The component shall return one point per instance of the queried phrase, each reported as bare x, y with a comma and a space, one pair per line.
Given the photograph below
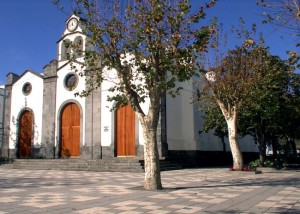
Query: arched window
78, 46
66, 49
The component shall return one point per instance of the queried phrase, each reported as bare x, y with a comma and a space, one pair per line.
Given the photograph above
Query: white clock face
72, 24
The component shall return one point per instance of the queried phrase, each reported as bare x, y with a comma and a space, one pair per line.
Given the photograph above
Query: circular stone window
71, 81
26, 88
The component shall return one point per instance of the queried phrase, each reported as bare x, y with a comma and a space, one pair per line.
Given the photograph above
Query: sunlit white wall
32, 102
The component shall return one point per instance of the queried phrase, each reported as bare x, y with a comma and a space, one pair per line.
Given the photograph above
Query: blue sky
31, 28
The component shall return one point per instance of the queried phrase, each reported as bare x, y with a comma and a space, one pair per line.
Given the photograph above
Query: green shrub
269, 163
254, 164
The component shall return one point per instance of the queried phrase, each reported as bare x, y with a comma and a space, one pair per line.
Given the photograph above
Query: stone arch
78, 46
66, 47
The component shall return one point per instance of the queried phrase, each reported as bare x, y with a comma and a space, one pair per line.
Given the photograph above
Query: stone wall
49, 99
91, 149
6, 152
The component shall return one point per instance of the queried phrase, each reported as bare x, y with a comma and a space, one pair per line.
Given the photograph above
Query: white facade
51, 92
65, 68
32, 102
65, 96
185, 122
2, 94
180, 120
108, 122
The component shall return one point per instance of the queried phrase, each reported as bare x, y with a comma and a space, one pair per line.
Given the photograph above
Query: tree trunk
261, 148
230, 114
237, 156
294, 148
151, 156
290, 149
261, 154
275, 148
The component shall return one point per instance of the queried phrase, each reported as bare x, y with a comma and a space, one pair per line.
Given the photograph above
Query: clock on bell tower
72, 24
73, 42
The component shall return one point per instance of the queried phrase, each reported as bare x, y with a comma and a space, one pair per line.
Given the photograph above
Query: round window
71, 81
26, 88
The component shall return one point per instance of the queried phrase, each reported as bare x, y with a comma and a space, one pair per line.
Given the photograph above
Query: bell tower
72, 44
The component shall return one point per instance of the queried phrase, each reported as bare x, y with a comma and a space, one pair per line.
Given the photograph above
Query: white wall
180, 120
33, 101
185, 126
64, 96
107, 116
2, 94
108, 122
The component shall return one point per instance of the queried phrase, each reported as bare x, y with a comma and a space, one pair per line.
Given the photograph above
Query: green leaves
158, 35
250, 81
262, 87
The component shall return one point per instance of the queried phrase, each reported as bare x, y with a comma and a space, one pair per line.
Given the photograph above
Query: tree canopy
263, 93
144, 47
232, 79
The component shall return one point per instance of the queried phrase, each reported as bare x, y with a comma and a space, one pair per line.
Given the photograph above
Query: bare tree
282, 13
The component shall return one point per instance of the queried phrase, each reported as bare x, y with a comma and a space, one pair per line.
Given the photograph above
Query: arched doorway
70, 131
25, 135
125, 131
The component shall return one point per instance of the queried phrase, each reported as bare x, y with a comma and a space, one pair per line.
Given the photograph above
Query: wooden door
125, 131
70, 131
25, 135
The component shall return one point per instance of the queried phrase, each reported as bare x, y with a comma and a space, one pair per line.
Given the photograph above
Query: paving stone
188, 191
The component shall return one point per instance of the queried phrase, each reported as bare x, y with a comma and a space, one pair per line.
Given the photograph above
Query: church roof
33, 72
25, 72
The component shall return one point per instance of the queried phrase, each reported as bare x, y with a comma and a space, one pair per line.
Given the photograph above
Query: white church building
40, 117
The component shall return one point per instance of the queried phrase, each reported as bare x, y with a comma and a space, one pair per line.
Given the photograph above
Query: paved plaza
186, 191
